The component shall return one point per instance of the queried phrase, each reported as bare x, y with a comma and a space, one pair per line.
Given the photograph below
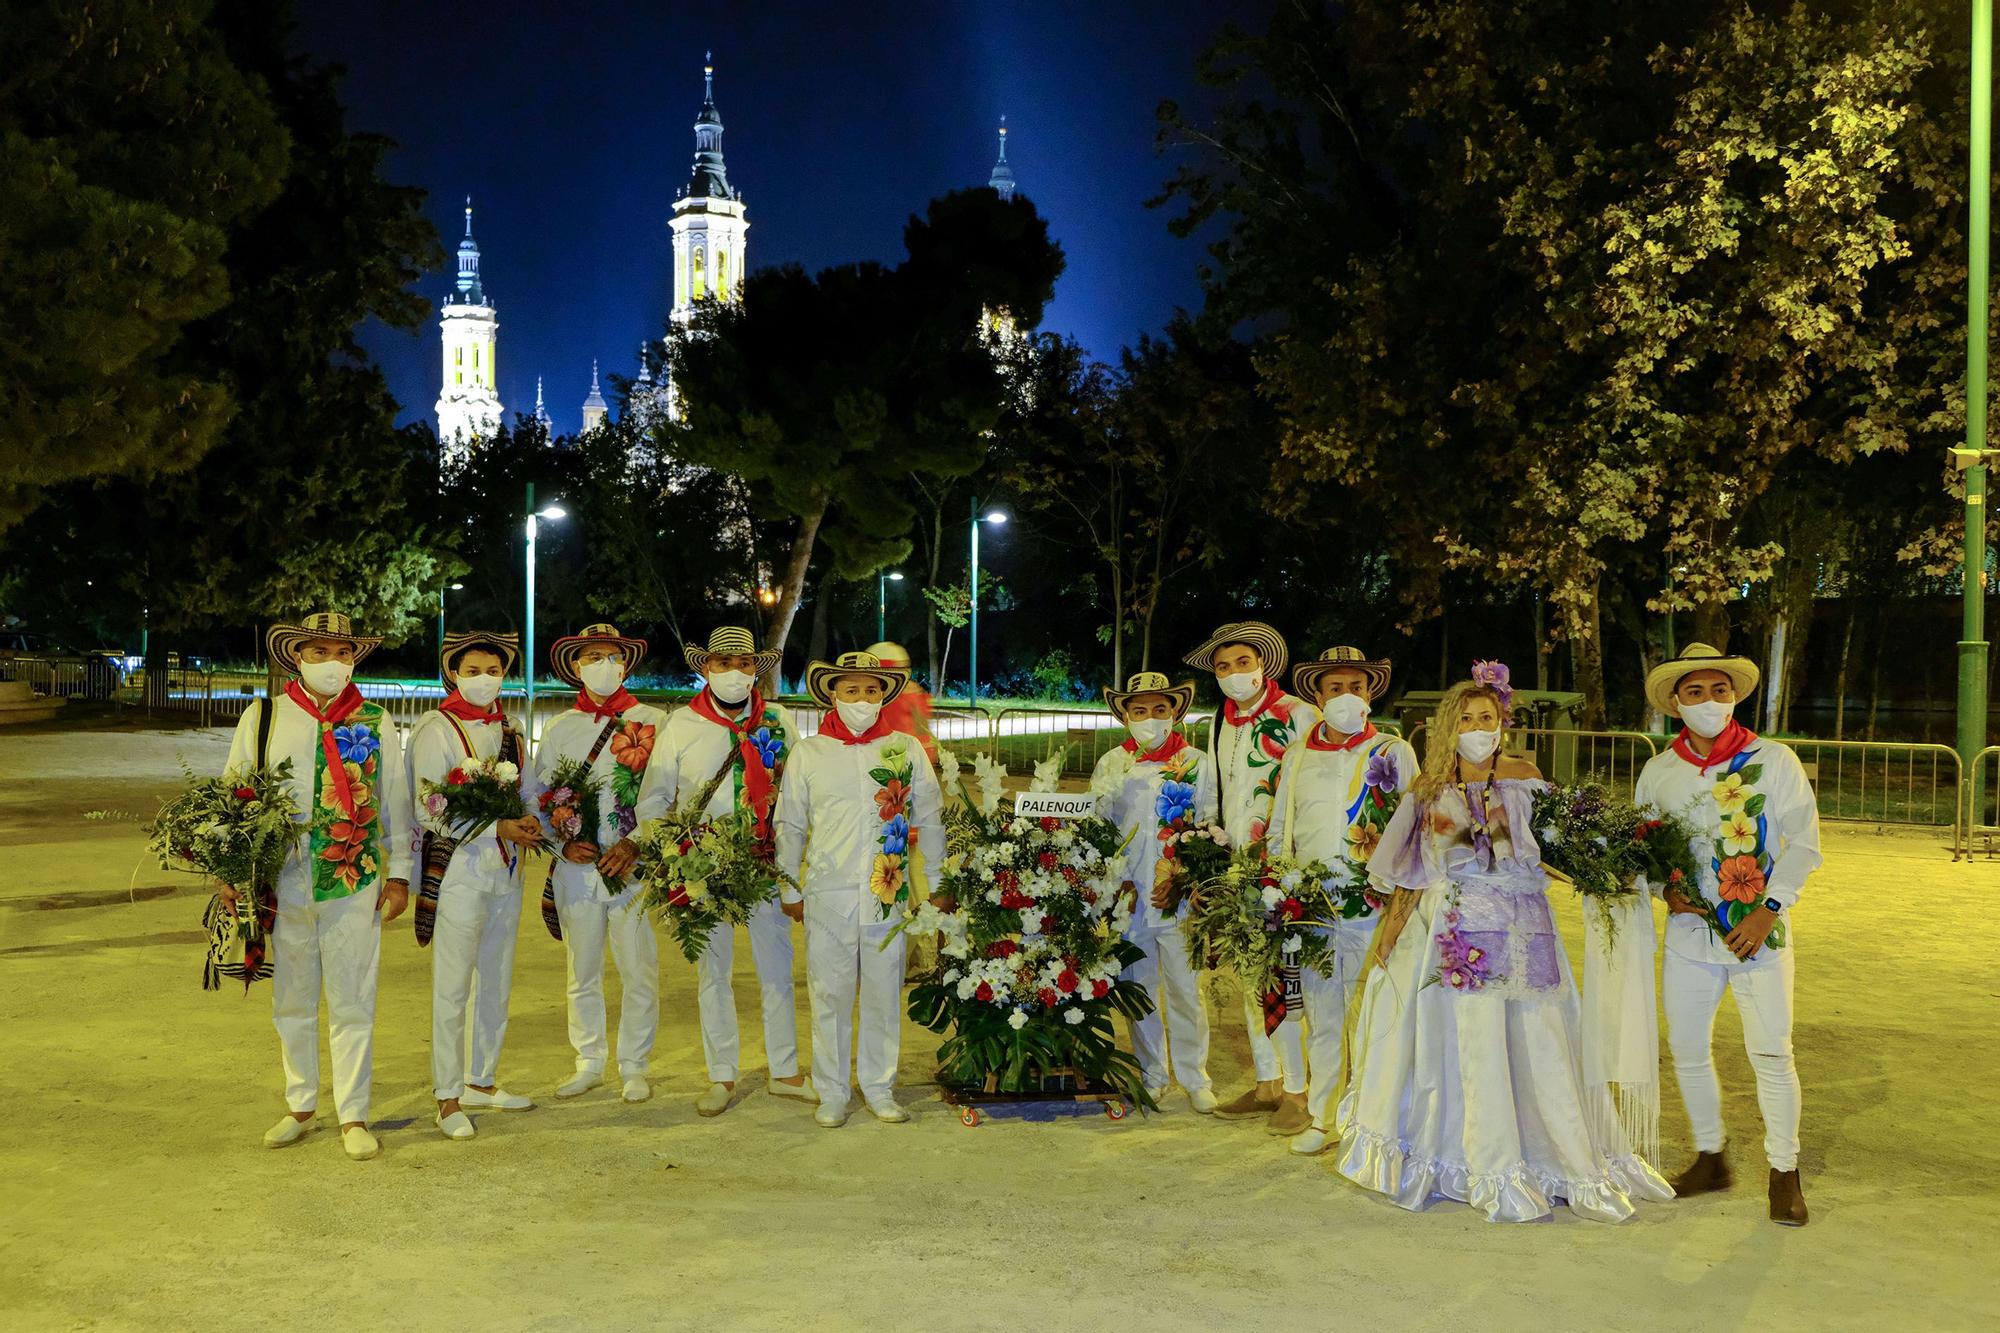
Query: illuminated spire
1002, 179
710, 181
469, 290
542, 413
595, 409
645, 372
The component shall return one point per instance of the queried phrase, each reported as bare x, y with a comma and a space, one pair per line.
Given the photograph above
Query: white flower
1073, 1015
951, 976
1048, 773
966, 988
506, 772
1290, 879
1272, 898
1292, 944
1017, 1020
1550, 837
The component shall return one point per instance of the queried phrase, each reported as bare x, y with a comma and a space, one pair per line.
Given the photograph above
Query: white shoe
359, 1143
715, 1101
286, 1132
579, 1083
637, 1089
457, 1125
1202, 1100
798, 1091
1310, 1143
886, 1110
497, 1100
830, 1117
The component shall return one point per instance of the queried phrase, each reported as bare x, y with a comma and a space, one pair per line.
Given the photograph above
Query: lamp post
534, 516
1972, 647
996, 518
454, 587
882, 582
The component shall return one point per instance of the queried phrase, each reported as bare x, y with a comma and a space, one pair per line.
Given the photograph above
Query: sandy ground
137, 1195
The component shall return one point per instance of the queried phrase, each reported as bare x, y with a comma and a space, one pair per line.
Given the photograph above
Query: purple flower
1497, 677
1381, 772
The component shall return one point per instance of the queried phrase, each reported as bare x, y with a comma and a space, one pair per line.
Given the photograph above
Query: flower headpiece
1496, 677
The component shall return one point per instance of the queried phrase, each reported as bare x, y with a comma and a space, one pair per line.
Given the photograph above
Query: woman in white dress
1467, 1078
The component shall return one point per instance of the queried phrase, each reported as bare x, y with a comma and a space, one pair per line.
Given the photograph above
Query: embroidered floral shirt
1318, 814
1247, 757
831, 817
690, 750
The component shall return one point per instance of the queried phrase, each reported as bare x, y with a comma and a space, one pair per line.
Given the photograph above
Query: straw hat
820, 676
729, 641
891, 654
284, 641
1267, 641
1150, 682
1664, 679
1306, 676
564, 651
507, 647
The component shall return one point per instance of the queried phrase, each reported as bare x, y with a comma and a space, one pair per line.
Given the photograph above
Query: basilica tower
468, 405
709, 223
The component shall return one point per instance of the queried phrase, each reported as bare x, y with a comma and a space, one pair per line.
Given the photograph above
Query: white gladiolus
1048, 773
1073, 1016
1017, 1020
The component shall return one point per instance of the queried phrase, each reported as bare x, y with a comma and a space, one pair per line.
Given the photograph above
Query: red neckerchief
1236, 718
831, 725
1171, 746
343, 707
1361, 737
1734, 740
466, 711
609, 709
756, 777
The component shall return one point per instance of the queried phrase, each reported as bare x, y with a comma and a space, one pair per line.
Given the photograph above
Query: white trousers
588, 924
335, 945
472, 967
1309, 1051
1178, 1024
771, 952
1263, 1054
1691, 992
844, 957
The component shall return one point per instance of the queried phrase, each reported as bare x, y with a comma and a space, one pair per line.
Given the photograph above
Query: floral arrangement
1260, 917
696, 872
475, 796
1031, 921
1601, 843
237, 829
573, 808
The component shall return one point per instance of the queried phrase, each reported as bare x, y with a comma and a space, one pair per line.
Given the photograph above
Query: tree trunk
1541, 647
1444, 650
822, 598
1774, 673
1875, 671
1711, 625
778, 623
930, 611
1840, 678
1587, 651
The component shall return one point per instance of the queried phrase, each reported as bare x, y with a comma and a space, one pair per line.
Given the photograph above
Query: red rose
1070, 873
1675, 877
1013, 900
1006, 879
1047, 860
1050, 824
1291, 909
455, 778
1099, 988
1002, 949
1067, 982
1048, 925
1048, 997
246, 793
984, 994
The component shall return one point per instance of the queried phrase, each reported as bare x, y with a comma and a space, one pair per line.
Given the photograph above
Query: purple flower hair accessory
1497, 676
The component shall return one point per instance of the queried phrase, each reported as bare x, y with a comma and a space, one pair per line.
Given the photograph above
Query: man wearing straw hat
469, 898
613, 734
729, 736
858, 818
1154, 786
1749, 799
1339, 783
1247, 740
348, 874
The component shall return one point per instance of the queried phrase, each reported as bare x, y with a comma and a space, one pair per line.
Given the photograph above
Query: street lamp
996, 518
1972, 646
534, 517
441, 591
882, 582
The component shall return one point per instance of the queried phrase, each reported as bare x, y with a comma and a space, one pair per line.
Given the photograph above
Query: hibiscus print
1740, 880
885, 880
892, 799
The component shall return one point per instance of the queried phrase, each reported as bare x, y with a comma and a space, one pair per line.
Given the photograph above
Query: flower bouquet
696, 872
1601, 843
1260, 918
475, 796
573, 807
1031, 925
237, 829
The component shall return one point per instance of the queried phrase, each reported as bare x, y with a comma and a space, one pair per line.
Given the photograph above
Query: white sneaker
715, 1101
286, 1132
497, 1100
885, 1109
798, 1091
1202, 1100
579, 1083
359, 1143
637, 1089
1311, 1142
457, 1125
829, 1116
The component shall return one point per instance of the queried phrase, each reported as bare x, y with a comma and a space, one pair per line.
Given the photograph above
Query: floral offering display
1031, 923
475, 796
696, 872
573, 807
1259, 918
1601, 842
237, 829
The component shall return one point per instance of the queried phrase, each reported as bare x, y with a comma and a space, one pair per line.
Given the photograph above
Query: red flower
455, 778
1070, 873
1007, 880
1048, 925
1047, 860
632, 745
1291, 909
1067, 982
1002, 949
892, 799
1099, 988
1013, 900
1048, 997
246, 793
1675, 876
1050, 824
984, 994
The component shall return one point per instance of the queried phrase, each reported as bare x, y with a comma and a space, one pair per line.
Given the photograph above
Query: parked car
93, 673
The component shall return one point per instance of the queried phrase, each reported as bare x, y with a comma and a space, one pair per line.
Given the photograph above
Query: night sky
572, 128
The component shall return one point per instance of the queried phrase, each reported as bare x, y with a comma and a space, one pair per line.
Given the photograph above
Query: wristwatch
1774, 904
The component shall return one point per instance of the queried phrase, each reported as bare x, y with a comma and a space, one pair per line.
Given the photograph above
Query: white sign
1055, 805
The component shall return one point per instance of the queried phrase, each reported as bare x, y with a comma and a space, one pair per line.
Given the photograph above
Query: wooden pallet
969, 1101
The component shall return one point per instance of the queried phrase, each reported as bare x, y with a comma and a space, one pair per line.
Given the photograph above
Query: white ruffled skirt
1479, 1097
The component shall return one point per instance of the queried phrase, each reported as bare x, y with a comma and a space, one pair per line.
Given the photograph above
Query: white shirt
1672, 785
434, 751
1309, 818
1246, 772
1134, 808
570, 736
295, 736
690, 751
829, 827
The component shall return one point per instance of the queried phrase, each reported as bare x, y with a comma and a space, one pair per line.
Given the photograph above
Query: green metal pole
528, 641
1972, 646
972, 648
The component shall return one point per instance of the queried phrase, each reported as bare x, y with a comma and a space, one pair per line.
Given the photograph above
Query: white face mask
1243, 686
732, 687
1346, 713
602, 677
326, 678
1150, 732
1476, 747
858, 714
1707, 718
480, 691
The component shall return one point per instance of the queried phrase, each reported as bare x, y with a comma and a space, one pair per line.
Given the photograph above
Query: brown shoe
1788, 1201
1290, 1118
1707, 1173
1250, 1105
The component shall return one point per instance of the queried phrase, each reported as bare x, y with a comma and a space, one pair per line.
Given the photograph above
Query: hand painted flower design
1175, 801
1730, 793
885, 878
1738, 834
892, 799
770, 748
356, 742
632, 745
1740, 879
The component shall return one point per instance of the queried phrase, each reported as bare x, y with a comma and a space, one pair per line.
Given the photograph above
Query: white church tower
595, 409
468, 405
709, 222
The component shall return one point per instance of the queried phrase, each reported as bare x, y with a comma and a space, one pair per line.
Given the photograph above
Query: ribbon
466, 711
1170, 747
1361, 737
1236, 717
609, 709
1621, 1033
756, 777
344, 705
831, 725
1734, 740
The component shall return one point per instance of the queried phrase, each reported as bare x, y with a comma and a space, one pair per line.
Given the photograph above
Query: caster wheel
1116, 1110
969, 1116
